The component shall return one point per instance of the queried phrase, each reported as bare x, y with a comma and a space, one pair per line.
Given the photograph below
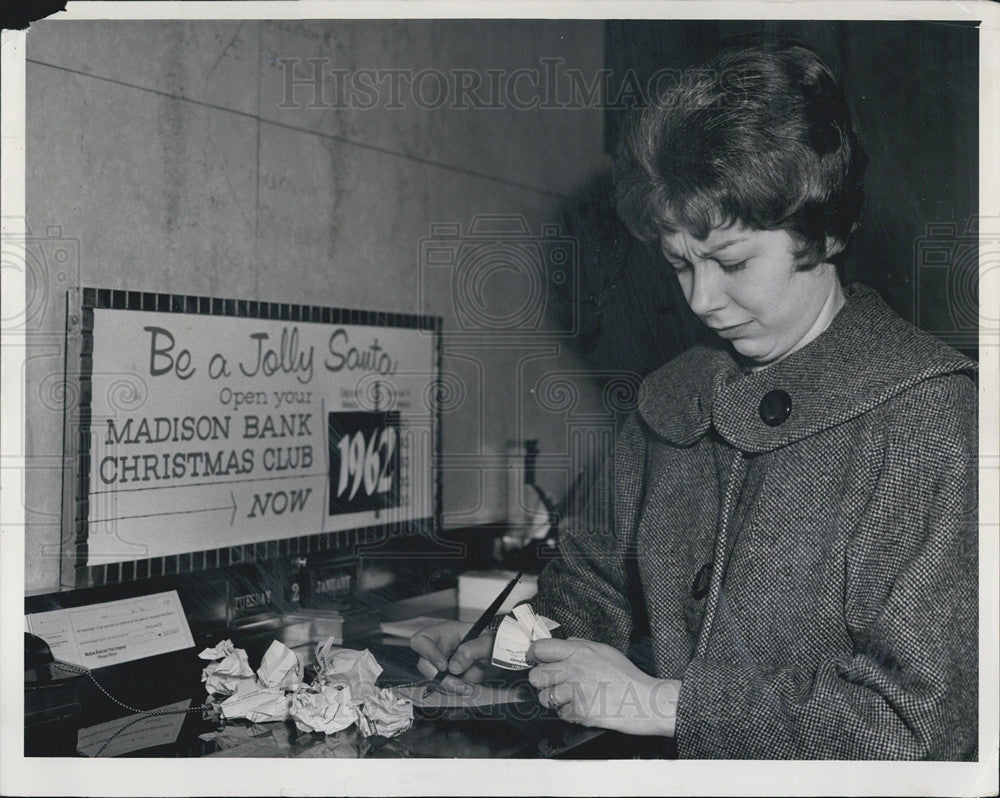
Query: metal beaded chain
143, 713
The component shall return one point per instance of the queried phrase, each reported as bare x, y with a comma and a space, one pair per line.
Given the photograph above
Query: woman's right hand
467, 664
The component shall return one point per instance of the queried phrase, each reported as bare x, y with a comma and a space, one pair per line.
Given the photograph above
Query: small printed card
113, 632
516, 634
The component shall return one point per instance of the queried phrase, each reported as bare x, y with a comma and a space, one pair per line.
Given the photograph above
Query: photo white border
491, 777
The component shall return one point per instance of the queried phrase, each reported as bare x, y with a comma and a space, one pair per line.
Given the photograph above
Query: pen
477, 627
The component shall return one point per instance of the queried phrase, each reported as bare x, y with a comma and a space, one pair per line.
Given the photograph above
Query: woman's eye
734, 266
679, 265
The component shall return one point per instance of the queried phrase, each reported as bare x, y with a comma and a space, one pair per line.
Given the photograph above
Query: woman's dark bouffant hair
760, 136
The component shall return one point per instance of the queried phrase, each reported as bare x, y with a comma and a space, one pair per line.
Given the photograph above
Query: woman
790, 515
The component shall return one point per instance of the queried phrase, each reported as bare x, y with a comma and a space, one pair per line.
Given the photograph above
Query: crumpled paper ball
385, 713
221, 651
280, 667
329, 710
346, 666
256, 704
225, 675
343, 693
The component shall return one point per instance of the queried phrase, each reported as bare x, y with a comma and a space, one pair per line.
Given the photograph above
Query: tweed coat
840, 616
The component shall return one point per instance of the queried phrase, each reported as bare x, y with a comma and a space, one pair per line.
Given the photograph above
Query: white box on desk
478, 589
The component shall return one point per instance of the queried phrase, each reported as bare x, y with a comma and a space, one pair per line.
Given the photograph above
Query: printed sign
208, 431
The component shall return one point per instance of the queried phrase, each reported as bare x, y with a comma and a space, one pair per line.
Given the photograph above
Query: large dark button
699, 588
775, 408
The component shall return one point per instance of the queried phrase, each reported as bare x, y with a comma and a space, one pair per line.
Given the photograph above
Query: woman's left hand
594, 684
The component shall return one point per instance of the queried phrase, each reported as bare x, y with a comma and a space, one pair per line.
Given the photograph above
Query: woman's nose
705, 293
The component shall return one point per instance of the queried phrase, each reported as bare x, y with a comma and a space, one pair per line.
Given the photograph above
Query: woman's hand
439, 649
594, 684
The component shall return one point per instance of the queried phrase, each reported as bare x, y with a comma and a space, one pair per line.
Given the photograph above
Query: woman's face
744, 285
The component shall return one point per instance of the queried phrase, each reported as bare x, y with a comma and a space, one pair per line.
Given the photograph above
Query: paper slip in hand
515, 636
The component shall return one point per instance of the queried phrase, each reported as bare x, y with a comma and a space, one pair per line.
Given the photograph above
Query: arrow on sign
232, 518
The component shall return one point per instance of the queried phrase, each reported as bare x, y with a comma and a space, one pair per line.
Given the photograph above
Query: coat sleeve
589, 587
908, 688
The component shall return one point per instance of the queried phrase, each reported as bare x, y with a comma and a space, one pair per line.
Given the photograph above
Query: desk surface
174, 682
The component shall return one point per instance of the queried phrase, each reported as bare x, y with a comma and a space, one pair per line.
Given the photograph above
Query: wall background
174, 157
161, 153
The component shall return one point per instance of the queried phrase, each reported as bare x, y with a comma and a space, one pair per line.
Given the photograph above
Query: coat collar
866, 356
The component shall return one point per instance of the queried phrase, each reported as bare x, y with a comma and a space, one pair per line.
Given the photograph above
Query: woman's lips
732, 330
